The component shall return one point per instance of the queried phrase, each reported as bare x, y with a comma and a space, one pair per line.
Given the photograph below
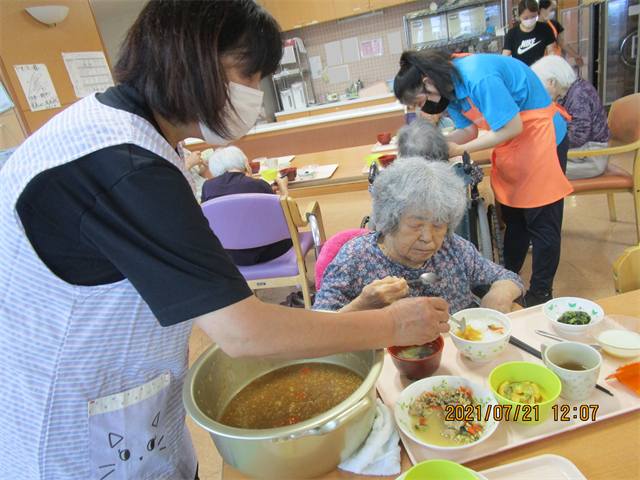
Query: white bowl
481, 395
626, 347
307, 171
485, 351
555, 307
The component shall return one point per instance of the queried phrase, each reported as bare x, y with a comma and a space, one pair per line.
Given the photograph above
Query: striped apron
91, 383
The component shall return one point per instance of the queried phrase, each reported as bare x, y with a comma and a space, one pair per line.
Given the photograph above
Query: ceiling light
49, 15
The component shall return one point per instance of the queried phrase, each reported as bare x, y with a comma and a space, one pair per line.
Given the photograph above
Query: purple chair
250, 220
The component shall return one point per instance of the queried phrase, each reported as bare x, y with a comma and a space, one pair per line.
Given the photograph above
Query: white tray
510, 434
378, 147
547, 467
322, 173
281, 160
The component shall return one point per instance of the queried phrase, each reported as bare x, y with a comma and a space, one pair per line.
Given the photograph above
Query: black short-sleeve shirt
125, 212
557, 25
529, 47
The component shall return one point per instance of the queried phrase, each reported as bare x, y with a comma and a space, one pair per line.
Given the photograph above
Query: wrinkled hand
380, 293
193, 159
455, 150
419, 320
497, 299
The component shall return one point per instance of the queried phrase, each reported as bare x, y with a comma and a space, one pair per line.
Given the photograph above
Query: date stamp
566, 413
470, 413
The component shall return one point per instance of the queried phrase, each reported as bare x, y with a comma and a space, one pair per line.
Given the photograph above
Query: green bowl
373, 158
548, 381
269, 175
439, 470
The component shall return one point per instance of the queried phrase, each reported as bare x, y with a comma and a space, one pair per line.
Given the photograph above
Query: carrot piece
305, 371
423, 421
301, 395
473, 429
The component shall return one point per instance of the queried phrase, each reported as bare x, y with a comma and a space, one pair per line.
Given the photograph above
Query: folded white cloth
380, 452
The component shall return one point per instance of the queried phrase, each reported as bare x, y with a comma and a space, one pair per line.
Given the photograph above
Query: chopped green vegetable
575, 318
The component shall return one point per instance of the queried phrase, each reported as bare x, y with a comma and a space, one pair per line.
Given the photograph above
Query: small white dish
618, 335
307, 171
555, 307
484, 351
481, 395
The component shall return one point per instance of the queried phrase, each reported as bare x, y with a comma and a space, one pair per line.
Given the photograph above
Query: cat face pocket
127, 434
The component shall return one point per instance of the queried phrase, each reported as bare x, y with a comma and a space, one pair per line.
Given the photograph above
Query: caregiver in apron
503, 96
107, 258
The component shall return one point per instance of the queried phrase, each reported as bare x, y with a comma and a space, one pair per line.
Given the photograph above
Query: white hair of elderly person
228, 158
422, 138
416, 205
588, 129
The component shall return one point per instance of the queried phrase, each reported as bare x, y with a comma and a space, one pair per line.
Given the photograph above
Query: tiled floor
590, 246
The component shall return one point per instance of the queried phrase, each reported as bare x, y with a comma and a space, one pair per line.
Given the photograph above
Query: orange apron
556, 47
526, 171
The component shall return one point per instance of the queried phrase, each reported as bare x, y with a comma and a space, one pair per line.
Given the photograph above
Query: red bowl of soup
418, 361
255, 167
386, 160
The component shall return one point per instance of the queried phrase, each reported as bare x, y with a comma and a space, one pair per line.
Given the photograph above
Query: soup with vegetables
481, 330
290, 395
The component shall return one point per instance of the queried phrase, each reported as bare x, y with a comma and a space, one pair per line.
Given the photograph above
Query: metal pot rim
274, 433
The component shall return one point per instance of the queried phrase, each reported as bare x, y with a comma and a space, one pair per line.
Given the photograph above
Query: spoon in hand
549, 335
426, 278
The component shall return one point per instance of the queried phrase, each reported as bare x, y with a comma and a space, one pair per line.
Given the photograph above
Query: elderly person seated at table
232, 175
422, 138
588, 129
416, 206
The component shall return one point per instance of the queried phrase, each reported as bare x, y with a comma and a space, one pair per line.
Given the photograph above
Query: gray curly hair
424, 187
422, 138
227, 158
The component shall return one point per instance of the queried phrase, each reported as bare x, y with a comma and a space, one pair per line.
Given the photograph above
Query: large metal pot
304, 450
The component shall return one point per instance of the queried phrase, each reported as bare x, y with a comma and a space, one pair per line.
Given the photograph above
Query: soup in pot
290, 395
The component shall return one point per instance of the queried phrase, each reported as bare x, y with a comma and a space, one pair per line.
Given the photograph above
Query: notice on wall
371, 48
350, 50
395, 42
89, 72
333, 52
37, 86
338, 74
315, 65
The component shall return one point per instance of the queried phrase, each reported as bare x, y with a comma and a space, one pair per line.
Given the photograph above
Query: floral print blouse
458, 264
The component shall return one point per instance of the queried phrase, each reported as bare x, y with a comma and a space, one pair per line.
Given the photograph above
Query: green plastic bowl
373, 158
269, 175
548, 381
439, 470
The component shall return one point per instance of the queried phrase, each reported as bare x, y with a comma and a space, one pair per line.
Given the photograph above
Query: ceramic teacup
271, 163
576, 364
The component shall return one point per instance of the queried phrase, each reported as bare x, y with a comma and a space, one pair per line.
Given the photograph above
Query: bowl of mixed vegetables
572, 315
446, 413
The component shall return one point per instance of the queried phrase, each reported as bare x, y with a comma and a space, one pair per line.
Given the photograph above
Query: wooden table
607, 450
349, 176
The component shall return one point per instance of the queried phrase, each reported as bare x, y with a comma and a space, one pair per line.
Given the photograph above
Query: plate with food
446, 413
486, 334
572, 315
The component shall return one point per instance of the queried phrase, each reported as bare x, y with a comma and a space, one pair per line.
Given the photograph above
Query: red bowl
292, 173
422, 367
384, 138
255, 167
386, 160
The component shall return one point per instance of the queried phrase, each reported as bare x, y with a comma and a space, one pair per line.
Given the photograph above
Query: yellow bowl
526, 372
439, 470
269, 175
373, 158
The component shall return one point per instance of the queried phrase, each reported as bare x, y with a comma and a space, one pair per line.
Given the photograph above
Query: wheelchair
480, 224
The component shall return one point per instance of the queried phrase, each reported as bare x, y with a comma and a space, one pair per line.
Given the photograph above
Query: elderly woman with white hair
232, 175
416, 206
588, 129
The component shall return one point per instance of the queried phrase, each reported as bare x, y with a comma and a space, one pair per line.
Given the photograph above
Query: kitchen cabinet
316, 11
378, 4
347, 8
286, 13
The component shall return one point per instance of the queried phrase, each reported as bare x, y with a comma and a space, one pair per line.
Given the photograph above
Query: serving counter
607, 449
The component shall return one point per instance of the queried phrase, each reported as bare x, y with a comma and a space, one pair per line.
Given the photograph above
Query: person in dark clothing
531, 39
232, 175
547, 14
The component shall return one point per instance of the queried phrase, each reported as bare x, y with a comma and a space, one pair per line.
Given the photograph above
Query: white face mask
551, 15
247, 103
530, 23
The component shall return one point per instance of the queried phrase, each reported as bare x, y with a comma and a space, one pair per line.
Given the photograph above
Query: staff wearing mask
99, 218
548, 10
531, 39
506, 98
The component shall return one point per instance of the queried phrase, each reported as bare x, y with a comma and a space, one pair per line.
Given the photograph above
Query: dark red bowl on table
384, 138
386, 160
255, 167
292, 173
421, 367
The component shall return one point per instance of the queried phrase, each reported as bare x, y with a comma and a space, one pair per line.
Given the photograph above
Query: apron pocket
127, 433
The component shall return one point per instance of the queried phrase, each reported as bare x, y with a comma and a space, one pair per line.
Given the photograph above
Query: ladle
549, 335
